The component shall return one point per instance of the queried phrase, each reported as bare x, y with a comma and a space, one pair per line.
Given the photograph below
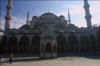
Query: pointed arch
93, 44
73, 43
84, 43
35, 44
12, 44
3, 45
24, 45
98, 38
61, 43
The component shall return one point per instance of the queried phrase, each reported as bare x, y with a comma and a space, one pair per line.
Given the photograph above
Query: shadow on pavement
84, 55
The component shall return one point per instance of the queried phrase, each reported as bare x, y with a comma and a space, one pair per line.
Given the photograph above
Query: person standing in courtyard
11, 58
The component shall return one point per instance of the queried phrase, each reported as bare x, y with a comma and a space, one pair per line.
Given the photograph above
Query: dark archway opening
35, 45
12, 45
73, 43
98, 39
3, 45
24, 45
93, 44
61, 44
48, 47
84, 43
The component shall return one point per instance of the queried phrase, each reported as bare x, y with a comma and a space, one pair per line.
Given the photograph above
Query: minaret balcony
7, 18
88, 16
9, 7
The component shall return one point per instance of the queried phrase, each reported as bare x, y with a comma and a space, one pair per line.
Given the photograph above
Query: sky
39, 7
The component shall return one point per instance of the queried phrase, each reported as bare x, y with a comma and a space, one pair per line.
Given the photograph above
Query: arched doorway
3, 45
84, 43
24, 45
35, 45
12, 45
61, 43
48, 47
72, 43
98, 39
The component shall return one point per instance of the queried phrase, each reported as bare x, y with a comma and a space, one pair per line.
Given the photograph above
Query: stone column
18, 49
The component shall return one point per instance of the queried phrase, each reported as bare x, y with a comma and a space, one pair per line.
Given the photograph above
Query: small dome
61, 16
34, 17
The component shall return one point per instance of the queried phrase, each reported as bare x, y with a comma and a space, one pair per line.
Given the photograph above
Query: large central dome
48, 15
48, 21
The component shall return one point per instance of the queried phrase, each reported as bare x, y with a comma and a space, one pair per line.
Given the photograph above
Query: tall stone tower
8, 15
0, 23
27, 21
69, 20
87, 14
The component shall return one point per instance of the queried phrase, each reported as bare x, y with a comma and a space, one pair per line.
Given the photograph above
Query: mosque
49, 35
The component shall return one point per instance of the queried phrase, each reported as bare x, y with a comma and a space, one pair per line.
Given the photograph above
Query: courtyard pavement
61, 61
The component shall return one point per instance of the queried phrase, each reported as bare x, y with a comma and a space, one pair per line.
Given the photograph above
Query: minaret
0, 23
87, 14
8, 15
27, 21
69, 20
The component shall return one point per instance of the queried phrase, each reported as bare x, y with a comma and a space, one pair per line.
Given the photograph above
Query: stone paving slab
63, 61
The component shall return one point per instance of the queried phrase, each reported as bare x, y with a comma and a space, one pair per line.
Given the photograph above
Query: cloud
2, 22
78, 14
16, 22
95, 11
76, 10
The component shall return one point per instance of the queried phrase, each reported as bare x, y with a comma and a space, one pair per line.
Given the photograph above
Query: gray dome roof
49, 14
61, 16
25, 27
71, 25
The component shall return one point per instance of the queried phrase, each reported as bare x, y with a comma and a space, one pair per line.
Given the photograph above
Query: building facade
50, 33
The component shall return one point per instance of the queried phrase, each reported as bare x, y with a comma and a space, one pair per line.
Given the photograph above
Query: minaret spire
8, 15
27, 21
87, 14
69, 20
48, 10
